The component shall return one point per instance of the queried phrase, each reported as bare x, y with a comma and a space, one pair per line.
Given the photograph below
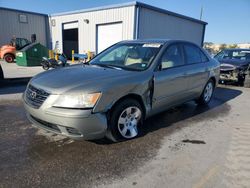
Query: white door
108, 35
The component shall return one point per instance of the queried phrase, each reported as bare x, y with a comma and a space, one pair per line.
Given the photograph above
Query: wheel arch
134, 96
214, 80
8, 53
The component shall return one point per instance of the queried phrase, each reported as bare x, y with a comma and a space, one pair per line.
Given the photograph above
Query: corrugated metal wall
10, 25
153, 24
87, 32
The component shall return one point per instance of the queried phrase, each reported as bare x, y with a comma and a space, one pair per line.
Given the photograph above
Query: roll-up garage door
70, 38
107, 35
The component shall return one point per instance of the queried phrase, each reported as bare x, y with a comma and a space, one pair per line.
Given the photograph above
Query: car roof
238, 49
161, 41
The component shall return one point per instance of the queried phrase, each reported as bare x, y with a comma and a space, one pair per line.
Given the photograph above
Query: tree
233, 46
222, 47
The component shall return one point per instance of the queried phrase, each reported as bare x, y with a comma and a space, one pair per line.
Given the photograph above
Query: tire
45, 67
9, 58
1, 74
247, 81
207, 93
122, 124
241, 81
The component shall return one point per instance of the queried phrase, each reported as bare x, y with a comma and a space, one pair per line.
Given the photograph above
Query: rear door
170, 80
197, 69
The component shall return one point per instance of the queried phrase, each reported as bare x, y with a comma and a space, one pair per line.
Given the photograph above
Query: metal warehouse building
23, 24
96, 29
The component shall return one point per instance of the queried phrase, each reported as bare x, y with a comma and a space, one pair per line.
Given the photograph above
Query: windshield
133, 56
234, 55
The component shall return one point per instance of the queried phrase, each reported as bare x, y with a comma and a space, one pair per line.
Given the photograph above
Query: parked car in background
120, 88
8, 51
235, 65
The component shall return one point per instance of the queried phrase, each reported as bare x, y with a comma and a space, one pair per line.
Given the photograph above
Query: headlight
77, 101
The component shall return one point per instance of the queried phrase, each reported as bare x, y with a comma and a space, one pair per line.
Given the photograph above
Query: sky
228, 20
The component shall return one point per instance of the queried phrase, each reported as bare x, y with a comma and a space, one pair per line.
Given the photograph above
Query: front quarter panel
137, 84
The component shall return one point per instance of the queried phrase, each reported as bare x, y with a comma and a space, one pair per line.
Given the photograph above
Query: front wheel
207, 93
9, 58
124, 120
241, 80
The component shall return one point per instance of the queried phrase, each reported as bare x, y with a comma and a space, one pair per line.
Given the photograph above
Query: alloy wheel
128, 122
208, 92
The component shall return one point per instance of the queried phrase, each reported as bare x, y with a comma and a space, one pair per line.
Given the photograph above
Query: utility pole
201, 14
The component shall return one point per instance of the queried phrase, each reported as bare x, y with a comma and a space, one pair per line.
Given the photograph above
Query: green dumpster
31, 55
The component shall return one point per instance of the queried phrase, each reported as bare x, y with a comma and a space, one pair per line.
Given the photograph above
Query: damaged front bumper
232, 73
229, 76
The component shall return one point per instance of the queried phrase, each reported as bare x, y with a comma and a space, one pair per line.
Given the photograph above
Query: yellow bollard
56, 56
89, 56
73, 58
51, 54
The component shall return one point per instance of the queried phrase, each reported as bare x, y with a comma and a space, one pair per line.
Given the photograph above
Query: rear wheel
124, 120
45, 67
9, 58
207, 93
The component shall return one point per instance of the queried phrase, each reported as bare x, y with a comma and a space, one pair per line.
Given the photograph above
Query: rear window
194, 54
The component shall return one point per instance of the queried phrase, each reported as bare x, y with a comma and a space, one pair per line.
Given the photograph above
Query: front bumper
229, 77
75, 124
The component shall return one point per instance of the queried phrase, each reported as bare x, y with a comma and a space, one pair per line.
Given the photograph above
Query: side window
192, 54
222, 55
23, 42
172, 57
204, 58
18, 43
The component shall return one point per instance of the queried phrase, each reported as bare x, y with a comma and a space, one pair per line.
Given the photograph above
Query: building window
23, 18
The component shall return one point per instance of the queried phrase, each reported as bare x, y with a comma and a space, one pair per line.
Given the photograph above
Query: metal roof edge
23, 11
147, 6
133, 3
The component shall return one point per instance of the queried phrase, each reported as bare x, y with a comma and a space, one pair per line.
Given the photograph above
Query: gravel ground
188, 146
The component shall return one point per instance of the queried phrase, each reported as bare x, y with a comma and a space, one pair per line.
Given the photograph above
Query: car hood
66, 79
235, 62
7, 46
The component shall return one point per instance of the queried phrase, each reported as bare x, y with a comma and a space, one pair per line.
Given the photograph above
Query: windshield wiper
108, 66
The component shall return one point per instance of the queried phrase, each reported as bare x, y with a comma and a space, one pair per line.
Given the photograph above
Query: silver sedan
122, 86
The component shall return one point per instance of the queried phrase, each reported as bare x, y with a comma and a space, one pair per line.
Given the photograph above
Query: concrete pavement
188, 146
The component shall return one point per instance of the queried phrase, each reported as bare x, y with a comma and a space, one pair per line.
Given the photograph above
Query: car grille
54, 127
35, 97
48, 125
